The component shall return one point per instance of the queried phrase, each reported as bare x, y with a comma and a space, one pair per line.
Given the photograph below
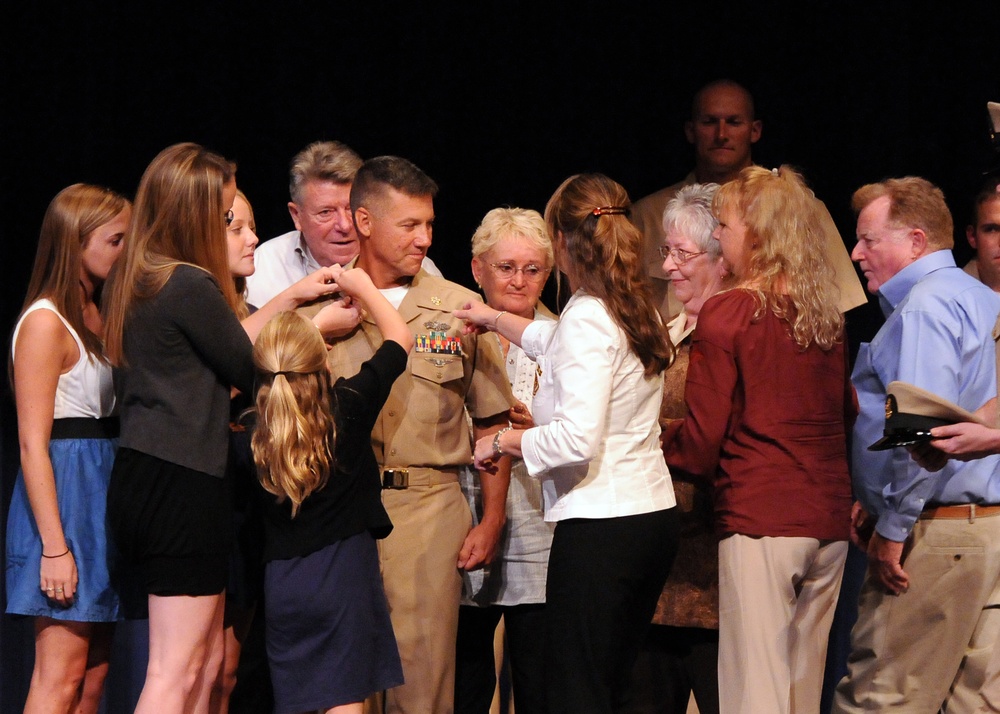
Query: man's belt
400, 478
962, 511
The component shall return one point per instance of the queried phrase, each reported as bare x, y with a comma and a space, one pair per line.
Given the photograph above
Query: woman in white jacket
596, 449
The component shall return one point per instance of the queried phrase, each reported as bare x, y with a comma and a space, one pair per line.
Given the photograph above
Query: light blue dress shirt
938, 336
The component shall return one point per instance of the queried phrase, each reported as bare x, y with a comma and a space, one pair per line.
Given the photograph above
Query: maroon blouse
768, 421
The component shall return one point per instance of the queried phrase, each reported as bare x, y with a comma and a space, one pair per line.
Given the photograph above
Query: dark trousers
605, 577
672, 663
475, 666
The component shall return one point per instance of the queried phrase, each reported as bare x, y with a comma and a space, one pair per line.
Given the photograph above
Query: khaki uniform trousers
423, 586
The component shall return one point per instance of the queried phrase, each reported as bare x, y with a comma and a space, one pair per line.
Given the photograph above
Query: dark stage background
496, 101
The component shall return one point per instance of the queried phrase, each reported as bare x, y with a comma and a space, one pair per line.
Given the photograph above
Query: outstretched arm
356, 283
311, 287
482, 318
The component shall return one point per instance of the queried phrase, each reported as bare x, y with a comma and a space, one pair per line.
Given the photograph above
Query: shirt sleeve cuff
531, 339
529, 455
895, 526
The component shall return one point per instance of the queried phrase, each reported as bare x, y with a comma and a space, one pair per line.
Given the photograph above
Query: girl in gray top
178, 348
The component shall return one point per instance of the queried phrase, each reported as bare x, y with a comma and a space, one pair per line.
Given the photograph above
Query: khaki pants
423, 587
930, 647
776, 602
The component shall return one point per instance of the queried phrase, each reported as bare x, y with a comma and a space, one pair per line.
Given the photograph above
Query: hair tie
610, 211
283, 372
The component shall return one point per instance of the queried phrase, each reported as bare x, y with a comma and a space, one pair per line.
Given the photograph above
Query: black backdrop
496, 101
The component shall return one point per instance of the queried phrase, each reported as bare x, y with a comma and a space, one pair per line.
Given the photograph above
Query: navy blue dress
329, 638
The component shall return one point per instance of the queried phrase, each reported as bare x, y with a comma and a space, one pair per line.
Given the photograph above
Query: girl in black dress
329, 639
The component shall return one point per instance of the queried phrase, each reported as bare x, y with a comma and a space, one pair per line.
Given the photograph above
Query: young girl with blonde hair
329, 639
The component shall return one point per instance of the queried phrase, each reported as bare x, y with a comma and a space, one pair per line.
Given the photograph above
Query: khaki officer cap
911, 413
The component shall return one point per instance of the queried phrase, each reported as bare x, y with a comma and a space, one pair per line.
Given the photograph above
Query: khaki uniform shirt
423, 422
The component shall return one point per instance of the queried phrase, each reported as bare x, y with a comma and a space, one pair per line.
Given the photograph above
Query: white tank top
87, 389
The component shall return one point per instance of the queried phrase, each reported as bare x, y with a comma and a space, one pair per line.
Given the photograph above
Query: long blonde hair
178, 219
293, 445
786, 266
240, 282
71, 217
590, 211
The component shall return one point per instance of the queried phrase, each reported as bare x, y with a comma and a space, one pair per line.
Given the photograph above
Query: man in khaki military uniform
422, 438
723, 129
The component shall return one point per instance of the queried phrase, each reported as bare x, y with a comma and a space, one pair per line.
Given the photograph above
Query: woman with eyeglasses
511, 260
680, 655
594, 446
770, 405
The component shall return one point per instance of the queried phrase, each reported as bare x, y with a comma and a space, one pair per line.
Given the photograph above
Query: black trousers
605, 577
475, 666
672, 663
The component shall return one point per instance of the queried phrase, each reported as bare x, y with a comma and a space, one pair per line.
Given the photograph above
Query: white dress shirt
597, 450
283, 261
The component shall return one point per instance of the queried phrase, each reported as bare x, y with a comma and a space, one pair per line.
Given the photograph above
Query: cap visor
905, 439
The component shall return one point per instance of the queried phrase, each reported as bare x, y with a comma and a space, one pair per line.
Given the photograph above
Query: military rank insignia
890, 406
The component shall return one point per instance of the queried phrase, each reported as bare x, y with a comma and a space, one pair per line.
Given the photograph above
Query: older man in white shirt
324, 235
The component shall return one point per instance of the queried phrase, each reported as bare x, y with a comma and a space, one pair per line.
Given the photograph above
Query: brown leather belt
969, 511
400, 478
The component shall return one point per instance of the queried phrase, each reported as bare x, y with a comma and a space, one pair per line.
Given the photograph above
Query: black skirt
172, 526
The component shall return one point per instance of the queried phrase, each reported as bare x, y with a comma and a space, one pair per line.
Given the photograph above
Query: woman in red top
770, 405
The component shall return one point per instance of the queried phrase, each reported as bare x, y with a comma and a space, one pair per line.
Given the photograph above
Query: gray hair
503, 223
690, 213
322, 161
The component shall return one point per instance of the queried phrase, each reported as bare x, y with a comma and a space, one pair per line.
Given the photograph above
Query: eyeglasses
531, 272
229, 217
680, 257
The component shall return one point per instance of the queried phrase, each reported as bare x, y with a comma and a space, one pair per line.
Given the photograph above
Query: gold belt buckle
396, 478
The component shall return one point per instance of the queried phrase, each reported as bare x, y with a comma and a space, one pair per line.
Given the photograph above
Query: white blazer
597, 449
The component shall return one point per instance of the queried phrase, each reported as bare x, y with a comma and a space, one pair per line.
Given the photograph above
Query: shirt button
439, 375
392, 452
392, 413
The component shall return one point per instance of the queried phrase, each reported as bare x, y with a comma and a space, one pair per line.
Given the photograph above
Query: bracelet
56, 556
497, 319
497, 451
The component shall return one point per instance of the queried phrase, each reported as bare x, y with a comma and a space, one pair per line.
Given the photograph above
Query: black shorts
172, 526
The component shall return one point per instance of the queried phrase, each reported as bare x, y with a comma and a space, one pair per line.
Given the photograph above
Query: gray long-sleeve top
183, 348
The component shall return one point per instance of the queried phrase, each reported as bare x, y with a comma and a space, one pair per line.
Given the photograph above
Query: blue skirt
82, 469
329, 638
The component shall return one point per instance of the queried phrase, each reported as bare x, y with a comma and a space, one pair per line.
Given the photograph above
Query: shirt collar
310, 263
896, 288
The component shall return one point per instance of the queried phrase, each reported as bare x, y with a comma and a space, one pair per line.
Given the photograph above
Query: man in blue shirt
928, 611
